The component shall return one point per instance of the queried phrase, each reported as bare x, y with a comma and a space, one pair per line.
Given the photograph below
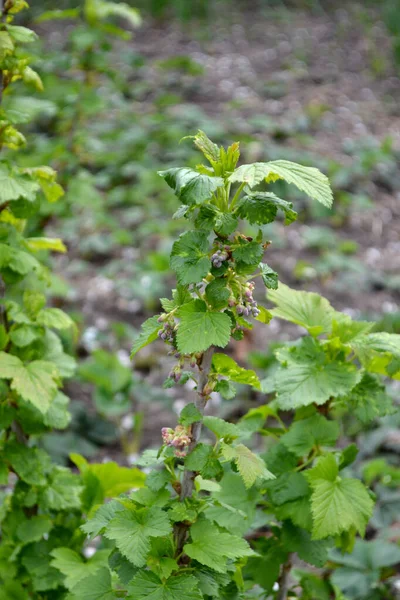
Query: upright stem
188, 476
284, 579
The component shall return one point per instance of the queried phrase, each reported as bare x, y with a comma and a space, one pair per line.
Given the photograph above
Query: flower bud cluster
179, 438
166, 333
219, 257
248, 307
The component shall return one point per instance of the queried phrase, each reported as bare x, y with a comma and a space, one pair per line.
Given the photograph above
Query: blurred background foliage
306, 80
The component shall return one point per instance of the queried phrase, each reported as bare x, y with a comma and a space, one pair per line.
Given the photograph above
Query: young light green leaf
221, 429
307, 377
200, 328
307, 309
337, 504
307, 179
36, 382
96, 586
190, 414
14, 186
226, 366
250, 466
43, 243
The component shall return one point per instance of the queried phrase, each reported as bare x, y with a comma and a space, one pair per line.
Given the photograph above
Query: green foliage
183, 534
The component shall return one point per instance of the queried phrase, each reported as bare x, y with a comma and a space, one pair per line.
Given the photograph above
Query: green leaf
23, 35
189, 414
63, 491
55, 318
30, 464
269, 276
307, 309
250, 466
189, 257
73, 567
221, 429
148, 334
36, 382
337, 504
295, 539
147, 586
190, 186
226, 366
42, 243
305, 434
368, 399
287, 487
132, 530
203, 459
114, 480
248, 252
199, 328
94, 587
307, 179
118, 9
379, 353
212, 548
57, 415
33, 529
14, 186
101, 518
260, 208
217, 294
24, 335
308, 379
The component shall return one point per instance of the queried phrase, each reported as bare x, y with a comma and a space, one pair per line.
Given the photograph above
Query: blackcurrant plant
217, 519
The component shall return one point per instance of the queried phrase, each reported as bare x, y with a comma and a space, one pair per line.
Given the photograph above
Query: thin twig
284, 579
188, 476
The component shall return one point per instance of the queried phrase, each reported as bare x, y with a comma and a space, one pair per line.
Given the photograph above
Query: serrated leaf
24, 335
261, 208
94, 587
212, 548
189, 257
200, 328
269, 276
33, 529
190, 186
43, 243
14, 186
307, 179
368, 399
287, 487
63, 491
217, 294
203, 459
307, 378
226, 366
221, 429
73, 567
148, 334
379, 353
54, 318
297, 540
30, 464
147, 586
23, 35
307, 309
303, 435
35, 382
250, 466
101, 518
190, 414
249, 253
132, 530
337, 504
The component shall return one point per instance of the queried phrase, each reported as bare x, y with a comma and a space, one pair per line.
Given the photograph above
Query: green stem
237, 195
